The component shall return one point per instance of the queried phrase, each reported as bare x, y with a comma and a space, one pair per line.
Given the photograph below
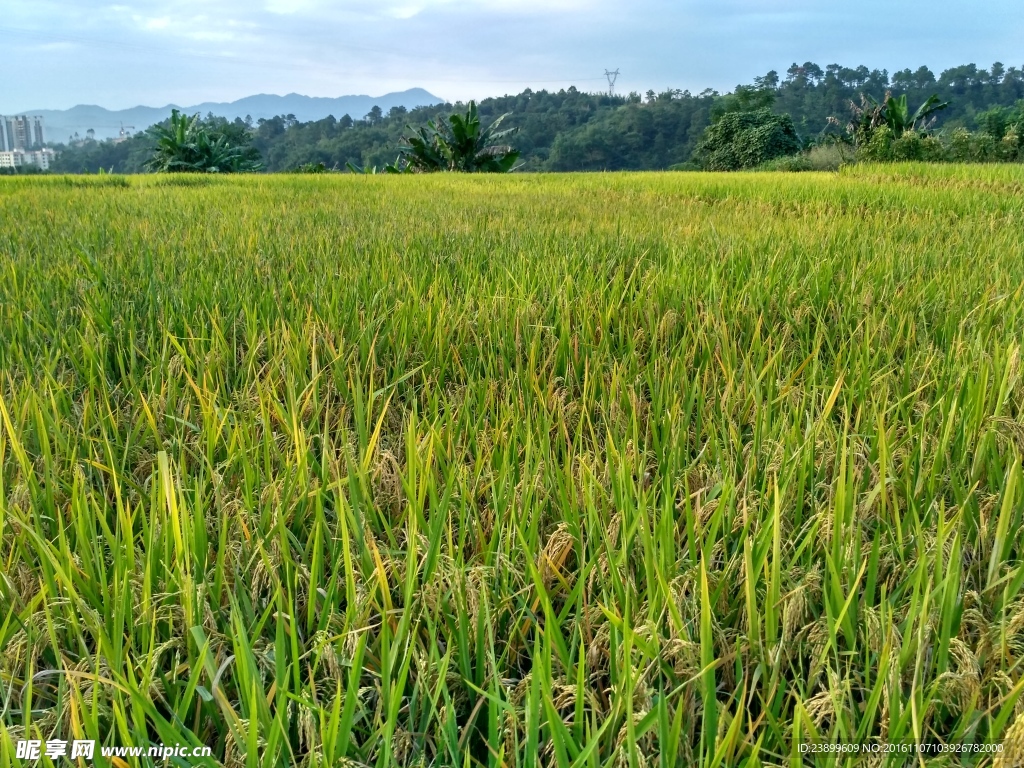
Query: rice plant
608, 470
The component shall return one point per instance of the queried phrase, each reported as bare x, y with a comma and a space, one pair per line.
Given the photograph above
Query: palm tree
186, 145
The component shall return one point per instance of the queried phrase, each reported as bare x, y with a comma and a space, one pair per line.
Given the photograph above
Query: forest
571, 130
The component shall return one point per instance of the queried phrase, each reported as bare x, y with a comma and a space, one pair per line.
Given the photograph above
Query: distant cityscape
23, 142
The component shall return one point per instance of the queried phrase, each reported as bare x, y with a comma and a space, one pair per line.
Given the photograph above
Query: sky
154, 52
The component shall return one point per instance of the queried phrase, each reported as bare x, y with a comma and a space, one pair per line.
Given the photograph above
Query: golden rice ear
1012, 754
553, 556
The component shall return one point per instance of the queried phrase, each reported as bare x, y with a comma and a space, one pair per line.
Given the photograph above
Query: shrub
830, 157
1011, 148
933, 150
960, 145
788, 164
821, 158
907, 147
878, 148
746, 140
983, 148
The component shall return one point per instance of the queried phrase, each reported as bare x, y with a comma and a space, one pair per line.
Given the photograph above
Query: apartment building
21, 132
18, 158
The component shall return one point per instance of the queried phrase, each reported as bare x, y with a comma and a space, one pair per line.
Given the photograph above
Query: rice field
585, 470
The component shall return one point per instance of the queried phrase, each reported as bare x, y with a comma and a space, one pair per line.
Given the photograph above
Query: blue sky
152, 52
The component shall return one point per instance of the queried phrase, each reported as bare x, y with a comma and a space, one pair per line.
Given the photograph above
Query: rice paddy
584, 470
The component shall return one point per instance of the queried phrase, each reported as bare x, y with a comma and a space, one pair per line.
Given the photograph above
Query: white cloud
193, 50
289, 7
195, 27
405, 11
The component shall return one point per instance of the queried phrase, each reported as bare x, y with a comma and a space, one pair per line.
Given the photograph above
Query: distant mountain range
60, 124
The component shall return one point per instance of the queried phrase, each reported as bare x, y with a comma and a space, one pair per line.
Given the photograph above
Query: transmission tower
612, 77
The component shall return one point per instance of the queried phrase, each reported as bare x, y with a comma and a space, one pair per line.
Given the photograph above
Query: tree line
570, 130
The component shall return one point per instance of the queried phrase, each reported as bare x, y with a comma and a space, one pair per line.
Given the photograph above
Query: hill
60, 124
571, 130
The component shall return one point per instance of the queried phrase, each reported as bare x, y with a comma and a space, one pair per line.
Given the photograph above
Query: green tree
743, 99
746, 140
994, 122
767, 83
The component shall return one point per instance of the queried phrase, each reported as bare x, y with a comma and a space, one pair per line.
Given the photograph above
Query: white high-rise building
38, 133
21, 132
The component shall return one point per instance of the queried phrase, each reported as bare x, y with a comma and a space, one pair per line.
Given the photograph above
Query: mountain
60, 124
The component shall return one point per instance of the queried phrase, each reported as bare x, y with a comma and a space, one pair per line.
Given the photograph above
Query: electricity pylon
612, 77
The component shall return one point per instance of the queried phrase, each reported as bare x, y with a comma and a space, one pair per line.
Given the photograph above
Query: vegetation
746, 140
188, 145
891, 113
831, 156
617, 470
999, 121
459, 143
889, 132
957, 146
574, 131
453, 144
396, 167
29, 170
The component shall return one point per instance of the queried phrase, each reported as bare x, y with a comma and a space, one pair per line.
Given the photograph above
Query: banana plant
185, 145
900, 120
892, 112
459, 143
424, 151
